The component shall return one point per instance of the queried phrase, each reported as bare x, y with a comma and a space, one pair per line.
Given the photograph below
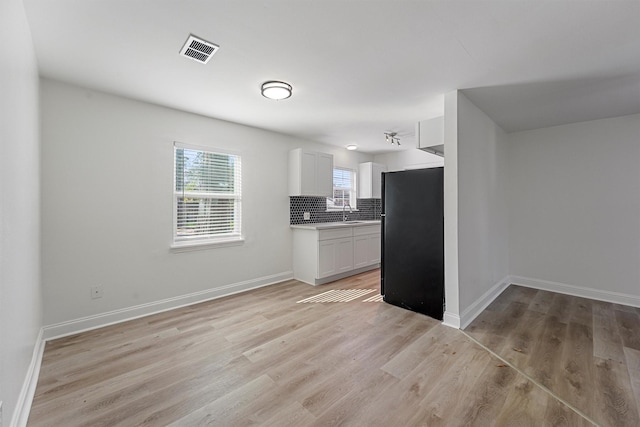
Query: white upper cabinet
310, 173
324, 174
430, 135
370, 180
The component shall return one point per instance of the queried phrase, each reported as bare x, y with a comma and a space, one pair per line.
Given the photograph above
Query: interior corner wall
20, 291
451, 276
107, 174
483, 256
574, 204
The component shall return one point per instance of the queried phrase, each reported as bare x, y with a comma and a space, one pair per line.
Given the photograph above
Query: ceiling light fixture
276, 90
392, 138
352, 147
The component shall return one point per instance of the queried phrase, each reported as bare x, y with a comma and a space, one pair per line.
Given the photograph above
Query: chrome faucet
344, 214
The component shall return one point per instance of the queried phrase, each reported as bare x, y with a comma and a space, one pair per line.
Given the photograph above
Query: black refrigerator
412, 265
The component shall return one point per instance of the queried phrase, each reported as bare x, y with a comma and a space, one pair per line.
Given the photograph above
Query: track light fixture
392, 138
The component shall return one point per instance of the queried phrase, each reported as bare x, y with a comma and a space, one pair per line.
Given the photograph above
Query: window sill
206, 244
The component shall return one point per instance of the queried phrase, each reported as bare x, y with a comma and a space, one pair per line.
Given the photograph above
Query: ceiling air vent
199, 50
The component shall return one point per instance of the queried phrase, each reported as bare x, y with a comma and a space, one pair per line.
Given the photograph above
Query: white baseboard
483, 302
463, 320
562, 288
23, 406
117, 316
452, 320
469, 314
342, 275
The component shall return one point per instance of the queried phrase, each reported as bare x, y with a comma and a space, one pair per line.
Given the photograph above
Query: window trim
205, 242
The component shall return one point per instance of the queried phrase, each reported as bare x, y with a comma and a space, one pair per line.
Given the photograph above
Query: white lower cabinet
334, 256
366, 250
360, 251
344, 256
366, 243
321, 256
375, 247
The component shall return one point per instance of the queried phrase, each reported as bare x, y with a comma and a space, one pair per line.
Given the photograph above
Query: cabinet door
308, 171
373, 247
361, 251
364, 180
327, 256
370, 180
376, 180
324, 175
344, 255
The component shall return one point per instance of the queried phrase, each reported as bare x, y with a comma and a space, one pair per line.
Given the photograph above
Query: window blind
207, 195
344, 189
342, 178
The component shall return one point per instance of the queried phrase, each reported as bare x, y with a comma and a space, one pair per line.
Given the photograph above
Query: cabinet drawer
366, 229
335, 233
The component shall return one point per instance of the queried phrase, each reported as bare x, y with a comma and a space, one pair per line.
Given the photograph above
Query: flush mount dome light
352, 147
276, 90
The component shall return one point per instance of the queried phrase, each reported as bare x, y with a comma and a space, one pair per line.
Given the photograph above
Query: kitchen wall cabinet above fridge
369, 180
430, 136
310, 173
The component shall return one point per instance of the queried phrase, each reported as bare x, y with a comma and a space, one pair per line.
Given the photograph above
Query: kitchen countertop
328, 225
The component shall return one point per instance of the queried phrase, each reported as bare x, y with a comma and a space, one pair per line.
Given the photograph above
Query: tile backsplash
367, 209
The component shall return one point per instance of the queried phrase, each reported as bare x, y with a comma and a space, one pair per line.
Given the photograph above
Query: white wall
451, 285
476, 219
342, 157
20, 291
107, 167
574, 203
408, 159
482, 205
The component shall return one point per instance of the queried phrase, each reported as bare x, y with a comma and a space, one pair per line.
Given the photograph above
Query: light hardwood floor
584, 351
260, 358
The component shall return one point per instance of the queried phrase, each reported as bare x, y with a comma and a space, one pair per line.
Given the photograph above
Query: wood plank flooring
260, 358
585, 352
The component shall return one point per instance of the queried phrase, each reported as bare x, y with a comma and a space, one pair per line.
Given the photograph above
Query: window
207, 200
344, 189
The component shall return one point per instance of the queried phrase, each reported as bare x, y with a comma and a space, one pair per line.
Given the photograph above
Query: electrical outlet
96, 292
306, 216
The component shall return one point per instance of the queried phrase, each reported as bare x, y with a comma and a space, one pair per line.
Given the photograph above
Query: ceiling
358, 68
